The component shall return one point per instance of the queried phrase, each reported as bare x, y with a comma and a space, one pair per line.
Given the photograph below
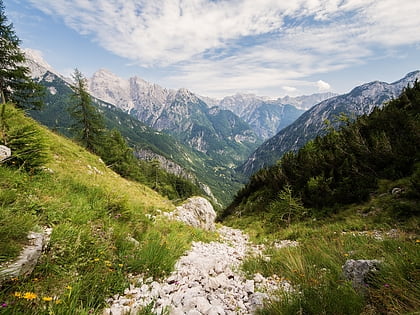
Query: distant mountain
218, 133
361, 100
211, 174
267, 117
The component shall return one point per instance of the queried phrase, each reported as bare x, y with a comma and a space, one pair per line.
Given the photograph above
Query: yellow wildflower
47, 298
18, 294
30, 296
120, 265
346, 255
69, 287
58, 302
96, 259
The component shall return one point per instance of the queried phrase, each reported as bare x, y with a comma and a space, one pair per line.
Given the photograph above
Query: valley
119, 196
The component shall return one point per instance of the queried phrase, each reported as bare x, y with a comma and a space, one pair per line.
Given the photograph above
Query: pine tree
16, 84
89, 124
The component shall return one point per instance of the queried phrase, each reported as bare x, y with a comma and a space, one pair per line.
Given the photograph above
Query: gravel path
206, 280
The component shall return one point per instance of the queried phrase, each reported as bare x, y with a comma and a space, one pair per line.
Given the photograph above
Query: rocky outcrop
197, 212
205, 281
358, 271
27, 260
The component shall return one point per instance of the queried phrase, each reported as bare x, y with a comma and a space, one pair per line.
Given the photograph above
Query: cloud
323, 86
289, 89
243, 43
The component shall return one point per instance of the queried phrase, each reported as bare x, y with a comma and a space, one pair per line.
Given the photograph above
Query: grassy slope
94, 214
361, 231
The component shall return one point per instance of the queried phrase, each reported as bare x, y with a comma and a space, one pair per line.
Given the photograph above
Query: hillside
101, 226
314, 122
207, 171
350, 197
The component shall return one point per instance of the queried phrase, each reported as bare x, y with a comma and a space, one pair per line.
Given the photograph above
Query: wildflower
47, 298
120, 265
96, 259
3, 304
30, 296
58, 301
346, 255
18, 294
35, 279
417, 241
14, 279
69, 287
386, 285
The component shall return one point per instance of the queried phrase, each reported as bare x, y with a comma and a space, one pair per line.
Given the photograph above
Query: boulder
357, 271
197, 212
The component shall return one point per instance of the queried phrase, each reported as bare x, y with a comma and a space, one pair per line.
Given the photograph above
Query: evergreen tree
89, 123
16, 84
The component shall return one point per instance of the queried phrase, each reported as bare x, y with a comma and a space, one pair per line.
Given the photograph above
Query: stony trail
206, 280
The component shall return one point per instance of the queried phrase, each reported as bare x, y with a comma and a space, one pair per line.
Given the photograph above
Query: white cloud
243, 44
323, 86
289, 89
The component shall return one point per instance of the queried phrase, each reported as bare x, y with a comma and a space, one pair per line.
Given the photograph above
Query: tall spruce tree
88, 122
16, 84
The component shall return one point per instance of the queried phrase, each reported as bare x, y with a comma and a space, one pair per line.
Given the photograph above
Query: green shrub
29, 146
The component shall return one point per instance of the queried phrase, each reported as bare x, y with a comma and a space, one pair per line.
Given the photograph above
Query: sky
217, 48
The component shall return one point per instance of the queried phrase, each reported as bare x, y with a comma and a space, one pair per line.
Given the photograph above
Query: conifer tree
16, 84
88, 122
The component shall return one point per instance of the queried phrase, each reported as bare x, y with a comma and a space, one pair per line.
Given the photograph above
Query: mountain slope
179, 113
102, 231
361, 100
148, 142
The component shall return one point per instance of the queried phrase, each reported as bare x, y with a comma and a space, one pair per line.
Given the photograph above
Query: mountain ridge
360, 100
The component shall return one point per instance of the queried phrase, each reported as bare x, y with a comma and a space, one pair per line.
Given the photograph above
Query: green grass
95, 215
314, 268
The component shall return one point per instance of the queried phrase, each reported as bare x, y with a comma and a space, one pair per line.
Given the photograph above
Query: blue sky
221, 47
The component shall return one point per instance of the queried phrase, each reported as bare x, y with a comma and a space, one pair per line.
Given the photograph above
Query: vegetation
16, 84
345, 166
102, 230
353, 194
88, 124
222, 179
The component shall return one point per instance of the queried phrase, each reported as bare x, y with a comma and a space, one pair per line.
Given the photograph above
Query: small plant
287, 207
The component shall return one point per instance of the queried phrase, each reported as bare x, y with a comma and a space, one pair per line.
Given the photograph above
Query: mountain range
267, 116
318, 119
206, 138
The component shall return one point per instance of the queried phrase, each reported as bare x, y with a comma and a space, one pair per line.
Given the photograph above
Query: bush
24, 137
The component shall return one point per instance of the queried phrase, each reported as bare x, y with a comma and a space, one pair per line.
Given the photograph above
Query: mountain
211, 174
267, 117
218, 133
361, 100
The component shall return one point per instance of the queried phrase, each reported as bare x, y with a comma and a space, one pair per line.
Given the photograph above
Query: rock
249, 286
357, 271
396, 191
197, 212
206, 280
216, 310
5, 152
28, 258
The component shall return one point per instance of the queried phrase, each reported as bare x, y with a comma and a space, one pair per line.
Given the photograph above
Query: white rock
249, 286
197, 212
216, 310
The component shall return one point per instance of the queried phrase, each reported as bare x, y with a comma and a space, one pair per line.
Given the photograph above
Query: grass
314, 268
100, 232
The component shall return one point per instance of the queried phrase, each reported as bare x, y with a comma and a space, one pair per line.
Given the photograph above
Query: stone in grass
28, 258
358, 271
197, 212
